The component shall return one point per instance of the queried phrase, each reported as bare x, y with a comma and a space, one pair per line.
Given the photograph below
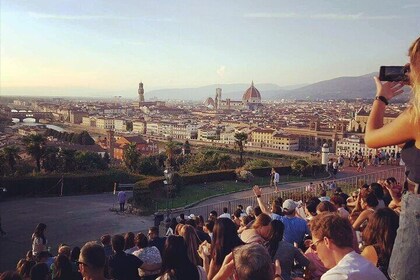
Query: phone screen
393, 73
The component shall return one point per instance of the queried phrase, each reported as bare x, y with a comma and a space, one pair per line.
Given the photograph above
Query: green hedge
50, 185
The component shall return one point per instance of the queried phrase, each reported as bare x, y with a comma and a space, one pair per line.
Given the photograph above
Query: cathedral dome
251, 94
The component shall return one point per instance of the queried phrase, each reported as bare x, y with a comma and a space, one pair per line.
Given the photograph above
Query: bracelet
382, 98
258, 196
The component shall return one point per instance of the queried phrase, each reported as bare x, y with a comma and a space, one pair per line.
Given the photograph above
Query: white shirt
225, 215
353, 267
276, 177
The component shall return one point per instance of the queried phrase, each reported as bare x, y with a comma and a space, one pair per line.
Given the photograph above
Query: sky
111, 45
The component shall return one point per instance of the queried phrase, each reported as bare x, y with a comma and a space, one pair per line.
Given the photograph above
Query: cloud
95, 17
332, 16
221, 71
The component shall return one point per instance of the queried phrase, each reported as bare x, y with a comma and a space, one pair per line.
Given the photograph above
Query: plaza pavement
76, 219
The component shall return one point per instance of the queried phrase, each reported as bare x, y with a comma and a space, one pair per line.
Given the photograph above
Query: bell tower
141, 92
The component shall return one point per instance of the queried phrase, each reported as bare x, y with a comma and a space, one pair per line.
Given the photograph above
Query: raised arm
398, 131
258, 192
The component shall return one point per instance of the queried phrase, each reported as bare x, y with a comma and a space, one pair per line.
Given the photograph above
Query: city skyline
111, 46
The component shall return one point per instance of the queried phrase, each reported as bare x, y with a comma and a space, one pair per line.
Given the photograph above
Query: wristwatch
382, 98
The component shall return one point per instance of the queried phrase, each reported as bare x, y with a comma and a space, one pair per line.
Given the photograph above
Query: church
251, 100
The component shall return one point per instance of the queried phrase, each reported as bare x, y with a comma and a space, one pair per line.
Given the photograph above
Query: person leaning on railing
404, 130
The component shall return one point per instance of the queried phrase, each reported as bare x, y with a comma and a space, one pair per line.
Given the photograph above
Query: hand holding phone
394, 73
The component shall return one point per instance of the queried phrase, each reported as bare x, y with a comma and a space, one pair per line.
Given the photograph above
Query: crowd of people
328, 236
371, 234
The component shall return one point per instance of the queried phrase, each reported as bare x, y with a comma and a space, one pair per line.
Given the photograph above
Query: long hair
39, 232
262, 220
381, 231
225, 239
191, 239
129, 240
414, 54
276, 235
175, 259
63, 268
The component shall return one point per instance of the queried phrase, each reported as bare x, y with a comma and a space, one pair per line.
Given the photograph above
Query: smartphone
393, 73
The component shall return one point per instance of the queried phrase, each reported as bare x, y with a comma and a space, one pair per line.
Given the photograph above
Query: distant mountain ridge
337, 88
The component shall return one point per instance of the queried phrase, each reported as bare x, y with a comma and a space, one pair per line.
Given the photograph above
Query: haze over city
108, 47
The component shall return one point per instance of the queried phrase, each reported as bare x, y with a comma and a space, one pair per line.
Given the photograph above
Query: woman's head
191, 239
414, 54
368, 198
129, 240
225, 238
63, 266
175, 253
75, 253
141, 240
262, 225
382, 230
325, 206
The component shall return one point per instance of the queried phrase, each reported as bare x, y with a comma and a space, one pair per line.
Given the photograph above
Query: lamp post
169, 175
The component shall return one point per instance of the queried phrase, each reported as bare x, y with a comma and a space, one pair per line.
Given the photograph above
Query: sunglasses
315, 244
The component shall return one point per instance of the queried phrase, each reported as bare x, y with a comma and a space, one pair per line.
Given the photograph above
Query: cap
289, 205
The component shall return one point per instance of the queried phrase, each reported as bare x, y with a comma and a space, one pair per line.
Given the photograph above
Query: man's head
153, 233
289, 207
225, 210
252, 261
106, 239
40, 271
311, 204
330, 233
92, 259
118, 243
141, 240
64, 250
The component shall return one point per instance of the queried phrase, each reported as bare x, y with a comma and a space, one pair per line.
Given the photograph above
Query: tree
67, 159
170, 150
301, 166
131, 156
86, 161
11, 155
50, 160
86, 139
107, 158
186, 147
240, 140
35, 147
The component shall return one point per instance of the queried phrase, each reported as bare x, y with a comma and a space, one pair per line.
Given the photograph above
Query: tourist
339, 203
283, 251
276, 210
62, 268
106, 243
324, 196
403, 130
276, 179
74, 257
191, 239
249, 262
325, 206
129, 246
213, 215
40, 271
150, 255
379, 237
225, 213
310, 207
260, 230
176, 264
39, 242
225, 239
379, 193
123, 266
208, 228
24, 268
171, 227
92, 261
155, 240
332, 240
367, 205
122, 199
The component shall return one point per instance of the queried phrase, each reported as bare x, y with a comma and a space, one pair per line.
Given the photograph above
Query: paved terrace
76, 219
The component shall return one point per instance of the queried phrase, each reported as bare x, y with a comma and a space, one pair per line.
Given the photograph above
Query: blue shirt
294, 229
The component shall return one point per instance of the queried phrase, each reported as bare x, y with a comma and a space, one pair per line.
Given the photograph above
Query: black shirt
124, 266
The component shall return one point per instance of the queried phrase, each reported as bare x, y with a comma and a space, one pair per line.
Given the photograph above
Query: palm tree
131, 156
240, 139
35, 146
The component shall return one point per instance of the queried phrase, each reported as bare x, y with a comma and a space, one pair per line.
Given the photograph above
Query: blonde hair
414, 54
